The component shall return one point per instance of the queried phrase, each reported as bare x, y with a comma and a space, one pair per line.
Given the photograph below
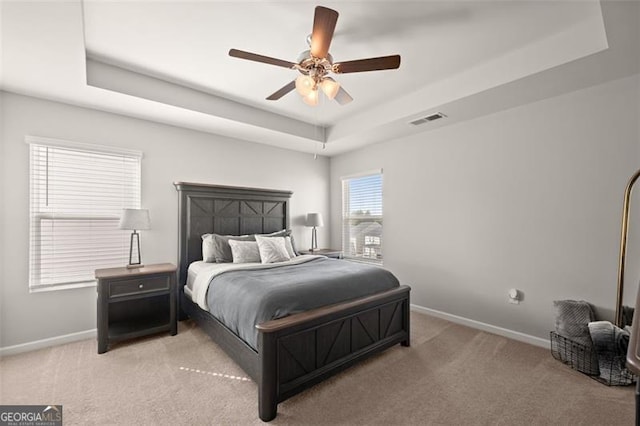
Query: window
362, 217
77, 193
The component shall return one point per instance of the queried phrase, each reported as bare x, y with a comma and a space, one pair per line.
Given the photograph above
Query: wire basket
611, 371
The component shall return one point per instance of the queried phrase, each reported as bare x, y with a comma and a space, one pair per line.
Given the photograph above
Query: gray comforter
242, 299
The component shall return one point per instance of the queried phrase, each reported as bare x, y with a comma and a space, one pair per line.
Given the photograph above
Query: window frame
346, 217
37, 215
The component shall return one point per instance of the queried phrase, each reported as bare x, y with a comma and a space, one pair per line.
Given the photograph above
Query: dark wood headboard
225, 210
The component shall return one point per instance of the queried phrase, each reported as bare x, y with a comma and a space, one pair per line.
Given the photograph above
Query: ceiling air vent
428, 118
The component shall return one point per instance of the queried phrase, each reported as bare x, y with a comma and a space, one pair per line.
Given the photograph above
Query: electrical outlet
514, 296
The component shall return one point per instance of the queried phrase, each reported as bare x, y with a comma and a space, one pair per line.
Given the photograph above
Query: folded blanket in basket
572, 323
610, 344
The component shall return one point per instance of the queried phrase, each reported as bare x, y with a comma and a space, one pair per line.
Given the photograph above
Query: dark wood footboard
301, 350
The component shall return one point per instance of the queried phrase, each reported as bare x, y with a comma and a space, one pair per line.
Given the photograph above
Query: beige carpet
451, 375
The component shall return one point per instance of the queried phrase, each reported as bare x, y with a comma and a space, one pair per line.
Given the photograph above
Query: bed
297, 351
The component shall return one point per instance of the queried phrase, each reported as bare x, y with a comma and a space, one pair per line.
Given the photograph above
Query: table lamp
314, 220
134, 219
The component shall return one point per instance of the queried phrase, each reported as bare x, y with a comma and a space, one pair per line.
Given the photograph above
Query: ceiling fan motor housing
314, 67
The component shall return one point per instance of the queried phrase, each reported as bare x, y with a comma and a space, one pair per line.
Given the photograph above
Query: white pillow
244, 251
272, 249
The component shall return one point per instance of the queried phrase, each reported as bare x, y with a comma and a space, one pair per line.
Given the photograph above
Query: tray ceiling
168, 61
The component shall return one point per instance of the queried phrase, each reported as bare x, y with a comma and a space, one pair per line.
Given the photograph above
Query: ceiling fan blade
370, 64
342, 97
283, 91
324, 23
260, 58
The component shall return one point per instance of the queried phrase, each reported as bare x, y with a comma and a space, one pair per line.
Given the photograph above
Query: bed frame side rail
234, 346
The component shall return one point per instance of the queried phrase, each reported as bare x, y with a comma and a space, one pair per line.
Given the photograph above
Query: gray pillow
208, 248
222, 249
572, 323
289, 246
572, 320
215, 247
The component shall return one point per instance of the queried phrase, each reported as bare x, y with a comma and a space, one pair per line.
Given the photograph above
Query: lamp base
314, 239
139, 265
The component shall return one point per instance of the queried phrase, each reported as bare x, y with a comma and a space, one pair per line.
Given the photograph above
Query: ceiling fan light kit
330, 87
304, 85
316, 63
311, 98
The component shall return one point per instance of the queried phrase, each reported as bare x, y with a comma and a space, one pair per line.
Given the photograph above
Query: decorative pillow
244, 251
610, 344
572, 320
272, 249
215, 247
222, 250
284, 233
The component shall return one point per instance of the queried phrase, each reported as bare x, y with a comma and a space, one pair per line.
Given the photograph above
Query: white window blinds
78, 192
362, 217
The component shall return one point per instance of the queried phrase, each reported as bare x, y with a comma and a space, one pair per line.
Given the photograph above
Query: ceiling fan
316, 63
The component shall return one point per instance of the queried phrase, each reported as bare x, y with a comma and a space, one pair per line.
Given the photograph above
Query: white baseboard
91, 334
515, 335
45, 343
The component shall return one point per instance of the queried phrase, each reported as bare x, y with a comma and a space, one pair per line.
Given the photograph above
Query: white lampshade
330, 87
304, 84
314, 219
311, 98
134, 219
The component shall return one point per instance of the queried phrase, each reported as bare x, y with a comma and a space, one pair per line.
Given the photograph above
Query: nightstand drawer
138, 286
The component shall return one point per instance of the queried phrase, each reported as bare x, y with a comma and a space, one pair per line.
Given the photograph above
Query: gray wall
527, 198
170, 154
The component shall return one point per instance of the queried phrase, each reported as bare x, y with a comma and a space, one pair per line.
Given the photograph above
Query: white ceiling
168, 61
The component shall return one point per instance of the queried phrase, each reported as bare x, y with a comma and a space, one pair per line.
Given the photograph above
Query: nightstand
336, 254
135, 302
